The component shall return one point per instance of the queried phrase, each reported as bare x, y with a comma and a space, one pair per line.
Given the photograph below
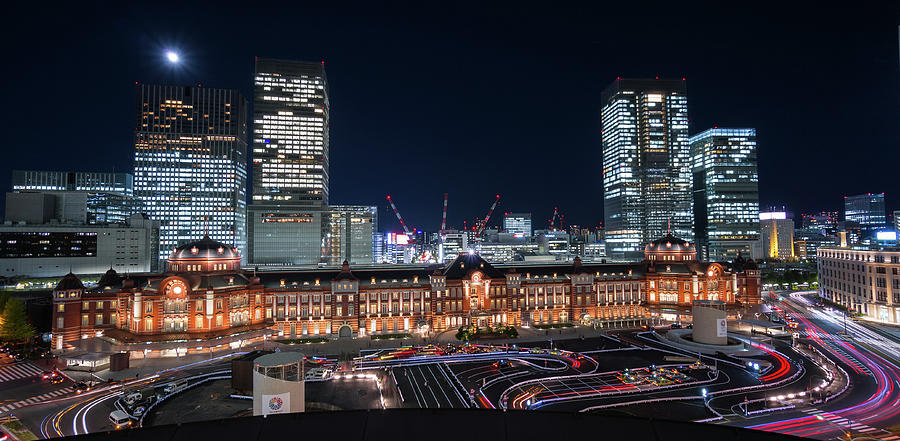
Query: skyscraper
646, 164
190, 156
290, 132
288, 220
867, 210
352, 230
726, 192
517, 224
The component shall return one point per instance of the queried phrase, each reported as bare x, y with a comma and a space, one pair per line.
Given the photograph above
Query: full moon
172, 56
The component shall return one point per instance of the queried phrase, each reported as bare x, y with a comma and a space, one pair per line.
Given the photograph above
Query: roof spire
669, 226
206, 228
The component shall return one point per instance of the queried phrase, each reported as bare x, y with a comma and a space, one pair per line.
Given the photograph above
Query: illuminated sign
397, 239
773, 215
886, 235
402, 239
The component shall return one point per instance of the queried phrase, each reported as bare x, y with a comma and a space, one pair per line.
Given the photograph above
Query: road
870, 405
75, 414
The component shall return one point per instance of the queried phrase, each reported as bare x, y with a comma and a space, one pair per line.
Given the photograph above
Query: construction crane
552, 219
483, 224
444, 218
400, 218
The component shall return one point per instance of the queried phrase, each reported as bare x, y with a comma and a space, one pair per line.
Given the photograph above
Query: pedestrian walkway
33, 400
841, 421
18, 370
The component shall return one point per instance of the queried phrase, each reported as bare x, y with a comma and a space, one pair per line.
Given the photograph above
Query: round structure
670, 249
278, 383
204, 255
710, 326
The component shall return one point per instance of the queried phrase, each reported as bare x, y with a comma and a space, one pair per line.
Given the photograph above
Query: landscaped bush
389, 336
554, 326
298, 341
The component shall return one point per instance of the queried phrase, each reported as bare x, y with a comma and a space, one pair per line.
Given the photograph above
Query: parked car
175, 386
119, 419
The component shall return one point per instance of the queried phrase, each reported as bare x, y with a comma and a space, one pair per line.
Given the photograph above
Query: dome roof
205, 248
670, 243
70, 281
111, 278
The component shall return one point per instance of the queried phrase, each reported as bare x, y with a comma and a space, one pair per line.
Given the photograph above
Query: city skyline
378, 148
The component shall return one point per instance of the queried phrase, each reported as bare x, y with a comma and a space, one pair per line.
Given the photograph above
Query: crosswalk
846, 423
823, 335
33, 400
18, 370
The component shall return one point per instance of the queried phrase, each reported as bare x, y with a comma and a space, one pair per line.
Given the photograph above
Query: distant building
517, 224
351, 231
897, 220
867, 210
52, 250
452, 243
726, 192
190, 163
646, 164
825, 221
865, 280
82, 197
776, 236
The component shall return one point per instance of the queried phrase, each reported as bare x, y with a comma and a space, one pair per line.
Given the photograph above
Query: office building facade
289, 223
825, 222
94, 198
517, 224
726, 192
867, 210
865, 280
190, 163
646, 164
351, 232
284, 235
52, 250
290, 133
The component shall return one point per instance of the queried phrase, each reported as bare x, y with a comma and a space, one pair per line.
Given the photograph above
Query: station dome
204, 255
670, 248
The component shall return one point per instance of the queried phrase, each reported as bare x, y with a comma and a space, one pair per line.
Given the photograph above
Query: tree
14, 326
4, 297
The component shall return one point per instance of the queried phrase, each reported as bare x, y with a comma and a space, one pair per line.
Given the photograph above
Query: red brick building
204, 294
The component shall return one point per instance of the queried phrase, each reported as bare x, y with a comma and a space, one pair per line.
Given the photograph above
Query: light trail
880, 406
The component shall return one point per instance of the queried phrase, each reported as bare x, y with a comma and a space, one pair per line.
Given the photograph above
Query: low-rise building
52, 250
865, 280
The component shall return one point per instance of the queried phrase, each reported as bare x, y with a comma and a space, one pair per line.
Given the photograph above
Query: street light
172, 56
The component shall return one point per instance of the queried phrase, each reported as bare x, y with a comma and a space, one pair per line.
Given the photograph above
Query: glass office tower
290, 132
190, 159
288, 219
867, 210
646, 165
351, 234
726, 192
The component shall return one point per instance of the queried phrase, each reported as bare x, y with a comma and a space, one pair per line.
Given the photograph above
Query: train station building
205, 297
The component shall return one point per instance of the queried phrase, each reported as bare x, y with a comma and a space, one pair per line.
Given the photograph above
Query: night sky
473, 101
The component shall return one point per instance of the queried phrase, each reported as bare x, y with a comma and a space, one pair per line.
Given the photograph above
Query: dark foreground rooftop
437, 424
